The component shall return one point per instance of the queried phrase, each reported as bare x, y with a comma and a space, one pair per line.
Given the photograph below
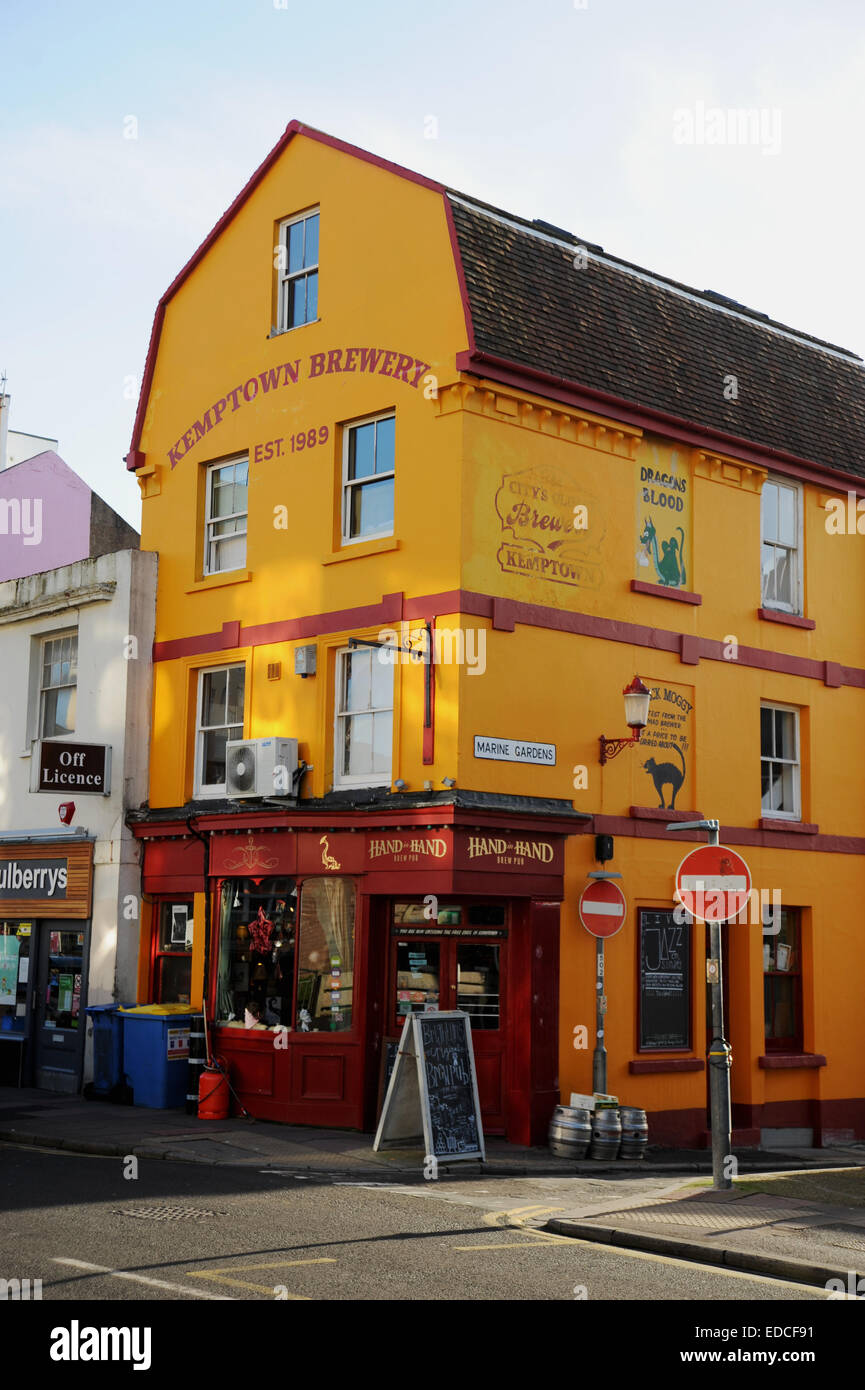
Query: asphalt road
179, 1231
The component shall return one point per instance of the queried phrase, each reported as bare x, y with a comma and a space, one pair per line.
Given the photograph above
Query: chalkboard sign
665, 982
432, 1096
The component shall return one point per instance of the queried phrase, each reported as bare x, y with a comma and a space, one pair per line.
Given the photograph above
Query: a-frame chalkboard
432, 1096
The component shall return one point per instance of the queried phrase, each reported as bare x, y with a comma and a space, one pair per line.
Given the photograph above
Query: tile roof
614, 328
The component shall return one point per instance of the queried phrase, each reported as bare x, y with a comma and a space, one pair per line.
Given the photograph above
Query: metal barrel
606, 1133
635, 1132
570, 1132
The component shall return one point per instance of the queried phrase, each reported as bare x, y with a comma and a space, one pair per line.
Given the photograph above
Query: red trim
788, 826
430, 675
661, 591
642, 1066
773, 615
789, 1061
731, 835
393, 607
647, 417
134, 459
656, 813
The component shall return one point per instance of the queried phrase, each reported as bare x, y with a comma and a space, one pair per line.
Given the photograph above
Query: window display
325, 972
256, 951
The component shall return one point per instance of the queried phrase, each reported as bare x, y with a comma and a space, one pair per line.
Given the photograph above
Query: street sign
713, 883
602, 907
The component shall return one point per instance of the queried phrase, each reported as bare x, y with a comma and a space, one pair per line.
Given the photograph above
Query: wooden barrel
570, 1132
635, 1132
606, 1133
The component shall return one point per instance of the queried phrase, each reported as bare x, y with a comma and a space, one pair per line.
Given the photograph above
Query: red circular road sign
602, 907
713, 883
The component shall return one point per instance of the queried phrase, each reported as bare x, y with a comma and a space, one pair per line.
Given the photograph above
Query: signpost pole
719, 1058
719, 1049
599, 1056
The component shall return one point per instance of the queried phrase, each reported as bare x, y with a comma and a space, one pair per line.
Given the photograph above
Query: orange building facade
429, 484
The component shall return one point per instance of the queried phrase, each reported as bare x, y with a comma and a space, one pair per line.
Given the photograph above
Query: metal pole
599, 1056
719, 1059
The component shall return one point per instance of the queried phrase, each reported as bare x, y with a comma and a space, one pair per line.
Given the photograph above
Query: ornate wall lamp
637, 698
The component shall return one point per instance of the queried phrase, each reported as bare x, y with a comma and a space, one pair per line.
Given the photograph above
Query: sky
127, 129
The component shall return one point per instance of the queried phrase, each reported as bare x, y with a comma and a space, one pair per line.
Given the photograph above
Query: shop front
322, 943
45, 907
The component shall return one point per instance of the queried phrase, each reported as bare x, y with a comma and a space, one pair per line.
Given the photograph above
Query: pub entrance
457, 960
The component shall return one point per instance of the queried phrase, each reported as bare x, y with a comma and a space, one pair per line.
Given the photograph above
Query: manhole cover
168, 1213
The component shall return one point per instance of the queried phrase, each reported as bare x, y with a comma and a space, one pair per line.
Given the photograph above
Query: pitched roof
614, 328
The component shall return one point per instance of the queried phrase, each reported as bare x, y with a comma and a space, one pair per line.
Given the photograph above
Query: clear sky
597, 119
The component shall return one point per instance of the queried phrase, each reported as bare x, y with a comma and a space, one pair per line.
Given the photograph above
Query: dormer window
297, 271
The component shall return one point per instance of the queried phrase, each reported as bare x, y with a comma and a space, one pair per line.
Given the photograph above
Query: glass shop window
255, 983
14, 973
172, 965
65, 969
478, 990
325, 958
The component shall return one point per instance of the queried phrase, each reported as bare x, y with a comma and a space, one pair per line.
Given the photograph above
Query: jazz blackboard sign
432, 1096
665, 982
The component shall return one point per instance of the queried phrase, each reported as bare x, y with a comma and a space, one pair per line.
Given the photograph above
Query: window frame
210, 520
795, 1042
796, 763
343, 781
44, 640
159, 953
349, 483
284, 276
212, 790
796, 608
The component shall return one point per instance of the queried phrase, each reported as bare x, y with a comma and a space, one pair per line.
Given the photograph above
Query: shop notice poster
8, 969
662, 771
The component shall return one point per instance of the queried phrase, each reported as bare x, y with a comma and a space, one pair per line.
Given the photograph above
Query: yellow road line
219, 1276
500, 1245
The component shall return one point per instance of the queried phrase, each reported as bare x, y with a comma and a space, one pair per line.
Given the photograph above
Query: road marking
694, 1265
517, 1216
219, 1276
502, 1245
142, 1279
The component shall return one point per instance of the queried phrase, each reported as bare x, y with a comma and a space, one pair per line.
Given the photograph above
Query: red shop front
323, 941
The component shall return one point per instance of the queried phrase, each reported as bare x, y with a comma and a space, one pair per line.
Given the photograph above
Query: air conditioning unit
260, 767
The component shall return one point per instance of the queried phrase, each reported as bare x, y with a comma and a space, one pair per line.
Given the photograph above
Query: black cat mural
667, 775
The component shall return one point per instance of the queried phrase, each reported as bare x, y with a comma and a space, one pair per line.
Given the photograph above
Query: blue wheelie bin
107, 1047
156, 1053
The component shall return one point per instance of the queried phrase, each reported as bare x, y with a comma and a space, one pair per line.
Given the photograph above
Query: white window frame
210, 520
212, 789
284, 276
795, 763
349, 483
779, 605
43, 689
341, 780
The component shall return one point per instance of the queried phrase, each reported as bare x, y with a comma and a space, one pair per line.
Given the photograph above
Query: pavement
795, 1215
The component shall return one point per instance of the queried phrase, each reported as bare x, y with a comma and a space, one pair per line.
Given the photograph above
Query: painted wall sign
536, 508
253, 856
662, 769
399, 366
61, 767
663, 516
424, 849
514, 750
495, 850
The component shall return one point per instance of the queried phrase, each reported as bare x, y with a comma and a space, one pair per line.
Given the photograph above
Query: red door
450, 969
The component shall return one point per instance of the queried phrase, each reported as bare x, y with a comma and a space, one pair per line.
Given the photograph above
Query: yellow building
429, 484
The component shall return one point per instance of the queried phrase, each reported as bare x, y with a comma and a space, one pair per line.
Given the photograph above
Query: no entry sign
602, 907
713, 883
